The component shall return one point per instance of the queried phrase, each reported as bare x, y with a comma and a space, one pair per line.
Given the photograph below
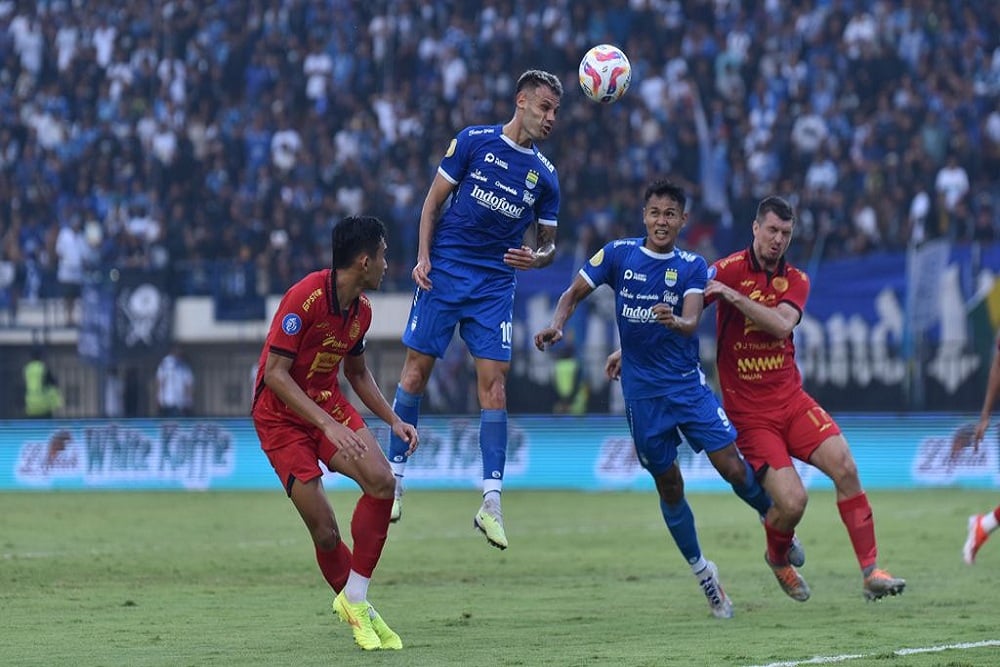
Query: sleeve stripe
281, 352
583, 274
446, 176
548, 223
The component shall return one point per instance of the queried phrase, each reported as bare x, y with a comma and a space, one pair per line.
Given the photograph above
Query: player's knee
671, 489
734, 472
493, 393
791, 504
326, 538
379, 483
413, 379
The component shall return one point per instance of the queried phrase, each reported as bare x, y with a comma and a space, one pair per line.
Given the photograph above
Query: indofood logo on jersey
638, 314
495, 202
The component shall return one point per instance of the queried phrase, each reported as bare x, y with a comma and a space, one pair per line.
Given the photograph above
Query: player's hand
980, 433
347, 441
664, 314
520, 258
613, 366
721, 290
421, 274
408, 434
547, 337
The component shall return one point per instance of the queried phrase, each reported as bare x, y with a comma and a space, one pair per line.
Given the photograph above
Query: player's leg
413, 379
833, 457
707, 427
293, 454
491, 385
486, 327
654, 434
762, 445
304, 485
429, 329
680, 522
981, 526
369, 529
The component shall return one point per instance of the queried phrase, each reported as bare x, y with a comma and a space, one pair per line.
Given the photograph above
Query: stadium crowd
192, 136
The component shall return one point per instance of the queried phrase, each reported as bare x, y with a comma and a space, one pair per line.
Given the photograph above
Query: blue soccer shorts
656, 425
480, 303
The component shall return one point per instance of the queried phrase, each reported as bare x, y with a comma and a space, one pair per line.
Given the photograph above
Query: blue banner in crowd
584, 453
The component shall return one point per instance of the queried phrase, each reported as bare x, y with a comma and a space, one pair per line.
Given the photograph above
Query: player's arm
525, 258
279, 380
992, 390
687, 323
363, 383
779, 321
545, 253
441, 188
578, 290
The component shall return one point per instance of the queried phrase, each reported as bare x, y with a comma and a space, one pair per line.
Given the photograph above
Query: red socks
778, 543
335, 565
856, 514
369, 528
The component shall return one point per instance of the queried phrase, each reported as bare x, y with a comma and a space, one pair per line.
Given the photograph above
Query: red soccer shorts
295, 449
795, 428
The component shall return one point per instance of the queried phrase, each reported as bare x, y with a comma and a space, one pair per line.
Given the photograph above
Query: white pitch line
828, 659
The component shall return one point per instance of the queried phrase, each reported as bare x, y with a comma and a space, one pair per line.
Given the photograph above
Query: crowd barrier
592, 453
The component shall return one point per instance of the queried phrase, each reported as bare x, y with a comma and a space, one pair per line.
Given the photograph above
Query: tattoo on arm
545, 252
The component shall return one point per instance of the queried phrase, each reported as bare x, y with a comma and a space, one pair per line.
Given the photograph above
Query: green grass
125, 578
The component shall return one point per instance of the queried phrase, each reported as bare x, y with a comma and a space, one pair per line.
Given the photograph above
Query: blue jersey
502, 189
656, 361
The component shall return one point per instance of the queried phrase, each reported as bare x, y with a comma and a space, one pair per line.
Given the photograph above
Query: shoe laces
787, 575
879, 577
710, 586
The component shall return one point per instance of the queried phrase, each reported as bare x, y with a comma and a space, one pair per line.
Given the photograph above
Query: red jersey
754, 367
312, 330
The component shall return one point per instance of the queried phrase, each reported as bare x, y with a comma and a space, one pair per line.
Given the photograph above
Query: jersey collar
333, 303
755, 263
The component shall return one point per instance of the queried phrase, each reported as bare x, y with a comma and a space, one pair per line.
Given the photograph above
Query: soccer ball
605, 73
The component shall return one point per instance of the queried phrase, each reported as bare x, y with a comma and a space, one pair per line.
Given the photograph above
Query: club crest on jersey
531, 180
780, 284
670, 277
597, 258
291, 324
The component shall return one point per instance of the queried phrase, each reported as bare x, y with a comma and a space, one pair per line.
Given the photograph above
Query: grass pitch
123, 578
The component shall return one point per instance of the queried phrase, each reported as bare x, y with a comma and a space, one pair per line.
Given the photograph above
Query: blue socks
752, 493
680, 523
407, 406
493, 445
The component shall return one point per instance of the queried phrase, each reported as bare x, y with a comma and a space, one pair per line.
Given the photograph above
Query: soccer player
761, 298
301, 417
982, 525
498, 184
658, 300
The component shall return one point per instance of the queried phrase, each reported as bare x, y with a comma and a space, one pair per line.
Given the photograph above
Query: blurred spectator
189, 132
174, 385
72, 254
42, 395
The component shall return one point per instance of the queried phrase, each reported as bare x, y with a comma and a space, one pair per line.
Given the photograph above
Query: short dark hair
534, 78
777, 205
356, 235
665, 188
